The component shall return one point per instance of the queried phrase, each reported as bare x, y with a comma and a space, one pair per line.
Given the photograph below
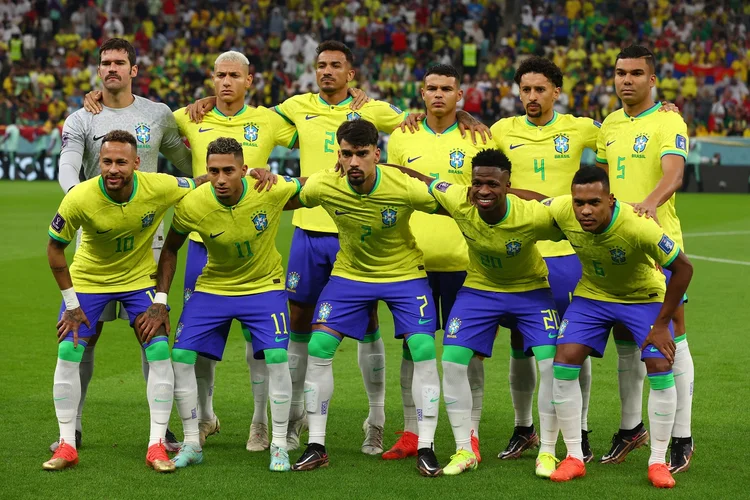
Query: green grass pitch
116, 418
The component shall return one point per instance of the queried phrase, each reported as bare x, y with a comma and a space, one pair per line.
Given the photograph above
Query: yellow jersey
115, 252
376, 243
446, 157
503, 257
240, 240
545, 159
317, 123
632, 147
618, 264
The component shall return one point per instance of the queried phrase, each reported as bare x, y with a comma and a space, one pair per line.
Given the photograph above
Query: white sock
684, 375
86, 371
548, 427
280, 388
661, 409
186, 400
318, 393
66, 393
567, 397
584, 379
259, 385
160, 391
205, 370
407, 400
457, 395
476, 382
297, 352
522, 379
371, 357
426, 394
630, 373
144, 364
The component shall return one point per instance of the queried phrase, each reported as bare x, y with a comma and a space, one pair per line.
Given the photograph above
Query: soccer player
243, 280
155, 131
507, 284
119, 212
619, 284
645, 152
378, 260
438, 150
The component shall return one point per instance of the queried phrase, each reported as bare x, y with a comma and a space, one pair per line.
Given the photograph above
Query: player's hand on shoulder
468, 122
646, 209
412, 122
92, 102
199, 108
667, 106
661, 338
150, 322
264, 179
360, 98
71, 321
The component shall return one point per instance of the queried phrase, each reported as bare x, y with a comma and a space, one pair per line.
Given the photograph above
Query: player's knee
571, 354
184, 356
656, 366
275, 356
323, 345
158, 349
67, 352
422, 347
457, 354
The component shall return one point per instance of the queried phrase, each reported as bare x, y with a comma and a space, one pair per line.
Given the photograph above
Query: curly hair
540, 65
226, 146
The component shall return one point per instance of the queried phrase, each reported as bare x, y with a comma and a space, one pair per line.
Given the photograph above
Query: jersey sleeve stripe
676, 254
299, 197
601, 160
290, 122
432, 185
192, 182
674, 152
56, 237
294, 139
299, 187
178, 231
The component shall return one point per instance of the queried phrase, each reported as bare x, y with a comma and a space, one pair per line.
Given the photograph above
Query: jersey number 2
330, 141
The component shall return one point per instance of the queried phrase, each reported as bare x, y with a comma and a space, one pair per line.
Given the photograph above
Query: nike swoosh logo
378, 369
103, 232
201, 130
280, 339
280, 402
661, 414
472, 239
339, 212
310, 117
434, 400
450, 402
308, 390
157, 400
425, 321
60, 399
557, 402
98, 138
216, 235
552, 335
611, 142
514, 146
261, 382
653, 349
409, 160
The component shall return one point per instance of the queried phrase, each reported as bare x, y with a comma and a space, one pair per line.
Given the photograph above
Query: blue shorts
311, 259
667, 275
445, 287
206, 319
564, 275
476, 314
345, 304
588, 322
93, 304
197, 257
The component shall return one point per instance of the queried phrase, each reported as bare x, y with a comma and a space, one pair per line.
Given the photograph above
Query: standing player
155, 131
243, 280
378, 260
119, 213
620, 284
645, 152
437, 149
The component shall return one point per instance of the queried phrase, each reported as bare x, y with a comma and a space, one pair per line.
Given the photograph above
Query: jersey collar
244, 192
553, 120
449, 129
374, 186
342, 103
505, 217
650, 110
615, 213
238, 113
132, 195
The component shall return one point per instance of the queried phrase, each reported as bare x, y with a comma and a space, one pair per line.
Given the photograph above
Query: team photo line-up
437, 233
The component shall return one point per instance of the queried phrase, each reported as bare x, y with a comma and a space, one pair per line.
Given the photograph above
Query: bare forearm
412, 173
525, 194
59, 265
166, 269
682, 273
667, 186
200, 180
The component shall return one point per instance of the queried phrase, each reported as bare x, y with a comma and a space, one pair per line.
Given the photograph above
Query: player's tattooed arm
466, 121
294, 203
74, 316
58, 263
92, 102
200, 108
153, 322
202, 179
673, 167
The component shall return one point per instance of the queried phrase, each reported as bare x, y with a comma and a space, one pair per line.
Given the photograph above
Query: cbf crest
292, 281
251, 132
513, 247
618, 255
147, 220
260, 221
353, 116
453, 325
456, 160
324, 312
562, 143
143, 133
389, 216
639, 146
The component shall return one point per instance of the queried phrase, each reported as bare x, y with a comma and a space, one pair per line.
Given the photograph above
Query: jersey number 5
620, 167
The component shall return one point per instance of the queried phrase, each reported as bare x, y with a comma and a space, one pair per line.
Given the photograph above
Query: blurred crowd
48, 51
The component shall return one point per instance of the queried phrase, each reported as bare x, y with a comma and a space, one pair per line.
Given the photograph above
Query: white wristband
70, 298
160, 298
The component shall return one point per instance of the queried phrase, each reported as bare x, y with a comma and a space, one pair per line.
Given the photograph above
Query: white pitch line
723, 261
717, 233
